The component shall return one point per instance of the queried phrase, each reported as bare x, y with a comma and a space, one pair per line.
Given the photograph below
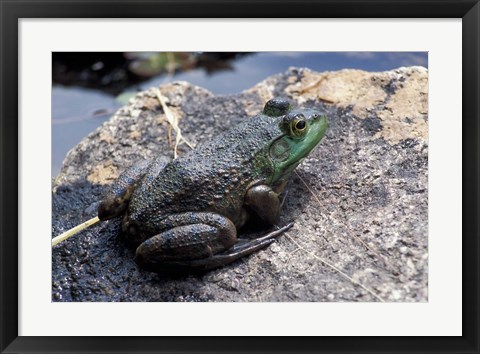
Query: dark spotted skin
184, 215
214, 177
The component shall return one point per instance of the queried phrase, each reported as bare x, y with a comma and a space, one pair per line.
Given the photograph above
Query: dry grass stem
74, 230
173, 121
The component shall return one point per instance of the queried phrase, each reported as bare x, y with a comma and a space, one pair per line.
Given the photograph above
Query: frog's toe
264, 240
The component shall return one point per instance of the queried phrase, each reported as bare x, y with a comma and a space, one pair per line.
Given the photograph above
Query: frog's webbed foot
241, 249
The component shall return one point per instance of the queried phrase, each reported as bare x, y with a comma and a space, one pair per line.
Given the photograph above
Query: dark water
77, 111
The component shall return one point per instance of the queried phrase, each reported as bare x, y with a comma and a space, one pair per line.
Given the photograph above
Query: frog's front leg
264, 201
195, 241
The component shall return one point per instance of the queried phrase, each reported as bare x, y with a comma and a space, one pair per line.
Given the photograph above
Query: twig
74, 230
173, 121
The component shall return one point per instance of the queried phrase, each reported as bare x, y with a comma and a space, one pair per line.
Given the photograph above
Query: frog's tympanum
184, 215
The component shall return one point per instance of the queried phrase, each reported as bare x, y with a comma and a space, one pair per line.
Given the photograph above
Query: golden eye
298, 126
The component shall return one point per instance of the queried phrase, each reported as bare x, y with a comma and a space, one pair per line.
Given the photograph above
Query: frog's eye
299, 125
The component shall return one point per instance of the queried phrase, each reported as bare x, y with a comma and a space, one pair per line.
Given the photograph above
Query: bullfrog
183, 215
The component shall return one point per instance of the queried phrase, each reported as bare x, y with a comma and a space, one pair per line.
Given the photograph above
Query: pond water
77, 111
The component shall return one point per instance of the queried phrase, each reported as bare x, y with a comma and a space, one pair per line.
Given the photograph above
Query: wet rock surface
359, 201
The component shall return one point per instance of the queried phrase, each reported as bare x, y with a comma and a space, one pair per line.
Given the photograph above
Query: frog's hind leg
184, 238
167, 252
196, 241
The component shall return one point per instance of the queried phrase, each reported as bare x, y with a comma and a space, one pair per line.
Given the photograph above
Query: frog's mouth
317, 128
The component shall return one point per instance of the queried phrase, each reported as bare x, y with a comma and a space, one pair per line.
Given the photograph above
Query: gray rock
361, 222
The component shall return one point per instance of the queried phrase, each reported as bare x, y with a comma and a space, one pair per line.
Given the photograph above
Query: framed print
207, 109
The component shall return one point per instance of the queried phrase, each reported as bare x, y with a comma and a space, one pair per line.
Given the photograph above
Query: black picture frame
12, 11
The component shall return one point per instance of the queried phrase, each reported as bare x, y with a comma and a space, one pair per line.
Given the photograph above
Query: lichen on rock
399, 98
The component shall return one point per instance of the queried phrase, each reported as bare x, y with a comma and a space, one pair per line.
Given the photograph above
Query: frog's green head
302, 130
